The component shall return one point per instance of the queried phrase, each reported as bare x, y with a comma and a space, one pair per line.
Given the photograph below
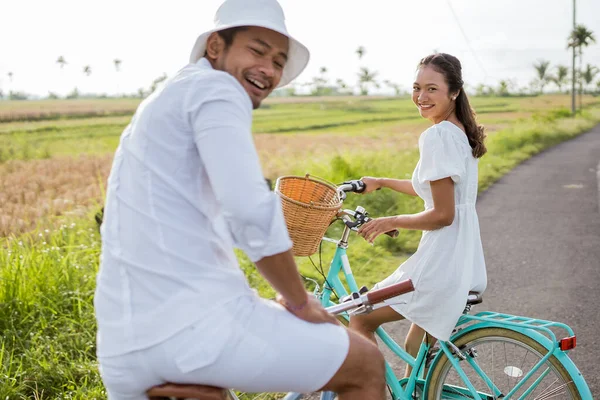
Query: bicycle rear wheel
505, 356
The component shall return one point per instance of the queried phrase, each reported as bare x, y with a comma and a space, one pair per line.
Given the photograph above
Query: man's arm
253, 213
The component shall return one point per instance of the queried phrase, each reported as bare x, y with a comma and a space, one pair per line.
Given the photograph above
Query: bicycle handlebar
373, 297
358, 186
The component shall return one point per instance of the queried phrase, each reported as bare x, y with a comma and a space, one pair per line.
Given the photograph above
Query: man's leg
362, 375
267, 349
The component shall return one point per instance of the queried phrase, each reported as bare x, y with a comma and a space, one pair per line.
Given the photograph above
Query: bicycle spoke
554, 392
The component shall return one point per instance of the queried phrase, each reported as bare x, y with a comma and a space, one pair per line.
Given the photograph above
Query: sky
494, 39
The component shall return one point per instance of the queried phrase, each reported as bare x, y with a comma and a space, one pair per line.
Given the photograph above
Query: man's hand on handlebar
312, 311
376, 227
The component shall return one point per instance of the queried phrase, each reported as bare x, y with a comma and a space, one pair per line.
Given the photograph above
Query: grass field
53, 168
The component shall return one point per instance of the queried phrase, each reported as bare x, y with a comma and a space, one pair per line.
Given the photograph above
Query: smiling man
186, 187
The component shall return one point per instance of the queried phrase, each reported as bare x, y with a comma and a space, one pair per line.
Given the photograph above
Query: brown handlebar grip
379, 295
393, 234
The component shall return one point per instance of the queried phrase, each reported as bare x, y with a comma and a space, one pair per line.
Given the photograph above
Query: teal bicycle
489, 356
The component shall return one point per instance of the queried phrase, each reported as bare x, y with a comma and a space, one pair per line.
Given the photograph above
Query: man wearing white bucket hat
186, 187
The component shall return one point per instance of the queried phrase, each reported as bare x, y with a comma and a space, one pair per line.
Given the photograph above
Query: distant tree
342, 87
319, 84
74, 94
579, 38
503, 88
117, 62
17, 96
483, 90
589, 74
561, 76
52, 96
542, 73
61, 62
366, 78
360, 52
1, 94
394, 86
157, 82
141, 93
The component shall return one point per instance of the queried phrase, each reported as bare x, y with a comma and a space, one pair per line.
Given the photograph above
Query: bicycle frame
536, 329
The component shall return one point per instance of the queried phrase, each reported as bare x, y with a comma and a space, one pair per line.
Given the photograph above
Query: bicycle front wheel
505, 357
268, 396
283, 396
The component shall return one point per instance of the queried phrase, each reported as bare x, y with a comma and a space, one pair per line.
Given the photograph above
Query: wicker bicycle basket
309, 204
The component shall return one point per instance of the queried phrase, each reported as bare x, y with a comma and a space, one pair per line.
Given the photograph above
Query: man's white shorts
250, 344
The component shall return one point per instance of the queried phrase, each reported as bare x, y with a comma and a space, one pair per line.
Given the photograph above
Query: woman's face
430, 94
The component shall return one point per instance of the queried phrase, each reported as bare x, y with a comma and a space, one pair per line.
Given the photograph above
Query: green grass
47, 278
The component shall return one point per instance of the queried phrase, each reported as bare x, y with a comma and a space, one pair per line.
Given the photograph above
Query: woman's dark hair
450, 67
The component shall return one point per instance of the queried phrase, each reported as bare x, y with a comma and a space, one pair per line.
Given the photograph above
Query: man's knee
364, 365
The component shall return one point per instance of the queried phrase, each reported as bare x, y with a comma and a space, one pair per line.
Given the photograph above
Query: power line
467, 40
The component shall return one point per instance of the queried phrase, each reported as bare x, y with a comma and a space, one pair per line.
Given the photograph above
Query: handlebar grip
393, 234
379, 295
360, 186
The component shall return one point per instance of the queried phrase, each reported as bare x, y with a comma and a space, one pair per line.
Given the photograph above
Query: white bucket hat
262, 13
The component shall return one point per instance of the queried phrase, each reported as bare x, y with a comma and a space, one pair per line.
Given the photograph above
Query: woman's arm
399, 185
441, 215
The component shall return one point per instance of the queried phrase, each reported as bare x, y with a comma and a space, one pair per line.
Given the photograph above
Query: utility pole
573, 68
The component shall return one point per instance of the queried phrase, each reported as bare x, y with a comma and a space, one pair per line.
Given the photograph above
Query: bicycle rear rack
515, 321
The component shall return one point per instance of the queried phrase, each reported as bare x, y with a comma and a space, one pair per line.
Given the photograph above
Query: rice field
53, 169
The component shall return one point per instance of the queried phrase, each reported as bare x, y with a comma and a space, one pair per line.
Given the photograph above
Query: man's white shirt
185, 188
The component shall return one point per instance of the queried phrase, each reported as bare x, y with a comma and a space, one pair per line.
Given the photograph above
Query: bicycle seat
474, 298
197, 392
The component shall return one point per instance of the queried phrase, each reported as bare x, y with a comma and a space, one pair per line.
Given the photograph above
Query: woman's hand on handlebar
376, 227
312, 311
371, 184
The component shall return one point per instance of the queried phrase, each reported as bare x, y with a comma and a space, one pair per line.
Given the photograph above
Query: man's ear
214, 46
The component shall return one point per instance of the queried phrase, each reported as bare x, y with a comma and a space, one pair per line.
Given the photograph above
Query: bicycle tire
265, 396
441, 368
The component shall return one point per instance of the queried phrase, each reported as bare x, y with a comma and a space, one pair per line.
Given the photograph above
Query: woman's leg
413, 341
366, 324
414, 338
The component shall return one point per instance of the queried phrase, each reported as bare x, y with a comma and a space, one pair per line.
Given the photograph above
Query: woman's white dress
449, 261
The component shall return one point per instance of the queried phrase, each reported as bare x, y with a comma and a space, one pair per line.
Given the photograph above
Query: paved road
540, 226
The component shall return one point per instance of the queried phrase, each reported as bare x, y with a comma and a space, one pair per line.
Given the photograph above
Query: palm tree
394, 86
560, 78
366, 78
503, 88
117, 63
589, 74
360, 52
10, 79
542, 69
61, 61
579, 38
